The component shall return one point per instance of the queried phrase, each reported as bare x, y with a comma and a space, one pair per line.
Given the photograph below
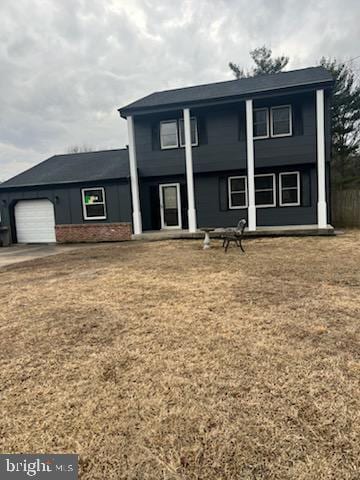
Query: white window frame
266, 189
167, 147
235, 207
102, 217
272, 121
293, 204
267, 123
196, 132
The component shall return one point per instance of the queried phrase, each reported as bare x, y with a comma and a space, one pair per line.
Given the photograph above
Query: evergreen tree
345, 107
264, 63
345, 113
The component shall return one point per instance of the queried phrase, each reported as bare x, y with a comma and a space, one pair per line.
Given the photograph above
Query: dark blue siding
212, 202
211, 193
68, 203
222, 140
222, 152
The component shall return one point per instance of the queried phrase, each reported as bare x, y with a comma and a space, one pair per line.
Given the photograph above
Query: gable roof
74, 168
231, 88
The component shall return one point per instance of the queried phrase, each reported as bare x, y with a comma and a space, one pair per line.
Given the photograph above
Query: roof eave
64, 183
128, 110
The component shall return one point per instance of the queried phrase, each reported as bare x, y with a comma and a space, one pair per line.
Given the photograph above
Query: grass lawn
163, 361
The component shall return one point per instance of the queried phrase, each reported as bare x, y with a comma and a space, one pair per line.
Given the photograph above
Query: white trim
266, 189
294, 204
250, 166
230, 192
196, 143
167, 147
275, 107
178, 198
101, 217
189, 172
267, 123
134, 180
320, 137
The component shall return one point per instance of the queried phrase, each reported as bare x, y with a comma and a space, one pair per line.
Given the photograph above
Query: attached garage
78, 197
35, 221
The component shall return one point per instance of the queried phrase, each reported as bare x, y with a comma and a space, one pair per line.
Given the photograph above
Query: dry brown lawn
164, 361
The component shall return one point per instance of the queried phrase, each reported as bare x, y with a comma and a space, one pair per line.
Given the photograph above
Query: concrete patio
281, 231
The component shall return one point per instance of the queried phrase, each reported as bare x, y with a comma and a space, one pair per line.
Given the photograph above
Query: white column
320, 136
189, 172
134, 177
250, 166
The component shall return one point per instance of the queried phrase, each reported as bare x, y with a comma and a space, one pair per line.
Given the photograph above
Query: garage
35, 221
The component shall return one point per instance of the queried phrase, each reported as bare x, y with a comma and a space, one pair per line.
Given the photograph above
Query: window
265, 190
261, 123
281, 124
289, 184
194, 132
171, 131
94, 203
237, 192
169, 134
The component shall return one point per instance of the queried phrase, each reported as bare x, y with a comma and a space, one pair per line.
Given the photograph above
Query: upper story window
265, 195
237, 192
289, 185
172, 134
169, 134
261, 122
280, 119
93, 200
194, 132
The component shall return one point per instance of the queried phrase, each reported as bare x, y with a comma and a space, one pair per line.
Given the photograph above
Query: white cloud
67, 66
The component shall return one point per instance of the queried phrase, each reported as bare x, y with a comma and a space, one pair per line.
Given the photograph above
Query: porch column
189, 172
250, 166
134, 177
320, 137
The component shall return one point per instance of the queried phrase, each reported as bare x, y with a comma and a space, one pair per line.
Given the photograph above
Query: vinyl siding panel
212, 203
222, 139
211, 194
68, 203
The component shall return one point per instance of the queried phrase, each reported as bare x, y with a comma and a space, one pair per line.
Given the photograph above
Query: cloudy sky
67, 65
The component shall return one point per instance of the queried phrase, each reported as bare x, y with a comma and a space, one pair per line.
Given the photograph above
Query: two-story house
204, 156
257, 148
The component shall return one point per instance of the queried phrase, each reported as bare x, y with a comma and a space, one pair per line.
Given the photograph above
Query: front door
170, 205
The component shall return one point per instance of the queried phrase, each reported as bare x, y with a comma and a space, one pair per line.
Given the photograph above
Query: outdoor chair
234, 235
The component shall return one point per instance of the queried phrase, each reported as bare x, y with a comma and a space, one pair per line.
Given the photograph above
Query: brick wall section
95, 232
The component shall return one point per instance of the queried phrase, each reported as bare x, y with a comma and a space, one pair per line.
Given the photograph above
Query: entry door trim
177, 185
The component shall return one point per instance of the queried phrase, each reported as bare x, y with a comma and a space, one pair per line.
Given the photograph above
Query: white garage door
35, 221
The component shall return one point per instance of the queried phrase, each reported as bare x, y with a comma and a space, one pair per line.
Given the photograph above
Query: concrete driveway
22, 253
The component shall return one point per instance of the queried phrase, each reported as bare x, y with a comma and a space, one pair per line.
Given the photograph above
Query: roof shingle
231, 88
73, 168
